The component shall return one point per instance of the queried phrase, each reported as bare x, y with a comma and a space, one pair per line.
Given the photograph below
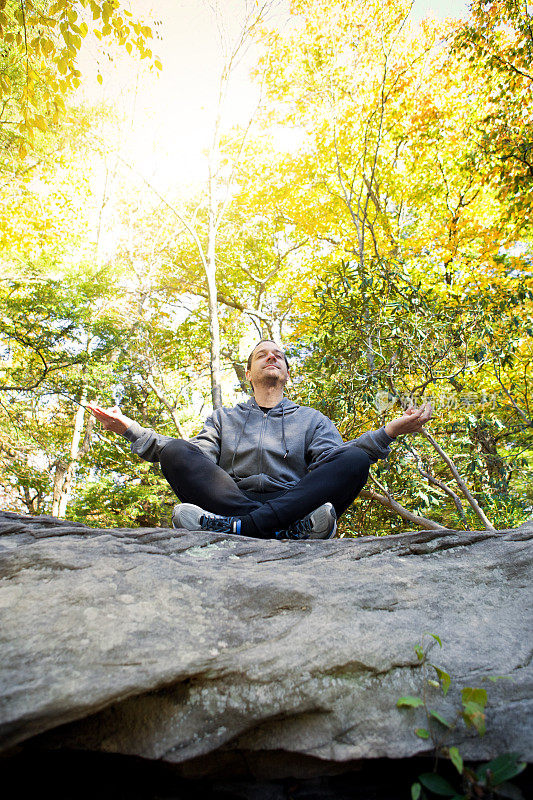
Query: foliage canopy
390, 249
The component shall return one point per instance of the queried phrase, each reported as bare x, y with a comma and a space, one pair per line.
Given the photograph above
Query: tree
381, 246
497, 40
469, 468
38, 60
202, 225
389, 185
55, 337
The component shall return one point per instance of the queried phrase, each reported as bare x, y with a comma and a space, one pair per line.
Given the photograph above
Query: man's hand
411, 422
111, 418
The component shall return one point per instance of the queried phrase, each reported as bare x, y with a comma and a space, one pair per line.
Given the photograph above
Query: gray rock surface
174, 645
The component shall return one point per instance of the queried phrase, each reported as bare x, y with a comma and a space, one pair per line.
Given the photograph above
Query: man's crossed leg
197, 480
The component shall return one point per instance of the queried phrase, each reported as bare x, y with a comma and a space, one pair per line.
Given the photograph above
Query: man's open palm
412, 420
111, 418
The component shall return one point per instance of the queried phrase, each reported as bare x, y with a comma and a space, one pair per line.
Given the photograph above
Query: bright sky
169, 114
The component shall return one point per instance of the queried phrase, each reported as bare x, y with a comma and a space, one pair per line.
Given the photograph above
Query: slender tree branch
171, 410
522, 414
460, 482
436, 482
387, 500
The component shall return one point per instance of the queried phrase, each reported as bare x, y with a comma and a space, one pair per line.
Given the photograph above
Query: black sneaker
194, 518
319, 524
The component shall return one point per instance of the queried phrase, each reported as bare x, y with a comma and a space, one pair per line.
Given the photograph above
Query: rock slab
174, 645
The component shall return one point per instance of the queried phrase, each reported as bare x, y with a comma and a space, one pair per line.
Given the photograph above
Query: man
267, 467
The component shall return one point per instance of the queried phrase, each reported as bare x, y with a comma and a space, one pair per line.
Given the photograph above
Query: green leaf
419, 650
437, 638
478, 696
501, 769
456, 759
444, 678
422, 733
474, 715
408, 700
416, 788
437, 784
439, 718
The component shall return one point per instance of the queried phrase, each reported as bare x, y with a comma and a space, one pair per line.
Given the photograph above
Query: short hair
249, 362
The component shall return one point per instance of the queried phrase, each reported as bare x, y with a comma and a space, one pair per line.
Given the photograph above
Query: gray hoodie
264, 451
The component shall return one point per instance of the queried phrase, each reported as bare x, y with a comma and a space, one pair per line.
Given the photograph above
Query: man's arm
144, 442
208, 440
375, 443
327, 438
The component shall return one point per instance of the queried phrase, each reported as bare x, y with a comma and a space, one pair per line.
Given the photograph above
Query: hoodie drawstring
283, 439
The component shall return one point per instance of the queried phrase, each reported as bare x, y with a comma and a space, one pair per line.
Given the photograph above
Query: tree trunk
66, 470
59, 477
214, 327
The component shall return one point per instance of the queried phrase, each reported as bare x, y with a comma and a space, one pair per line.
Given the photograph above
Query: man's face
268, 366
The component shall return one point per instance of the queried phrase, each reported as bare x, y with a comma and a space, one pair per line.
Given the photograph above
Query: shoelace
218, 524
298, 530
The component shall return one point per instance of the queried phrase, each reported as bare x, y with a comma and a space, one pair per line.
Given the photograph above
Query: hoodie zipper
261, 435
